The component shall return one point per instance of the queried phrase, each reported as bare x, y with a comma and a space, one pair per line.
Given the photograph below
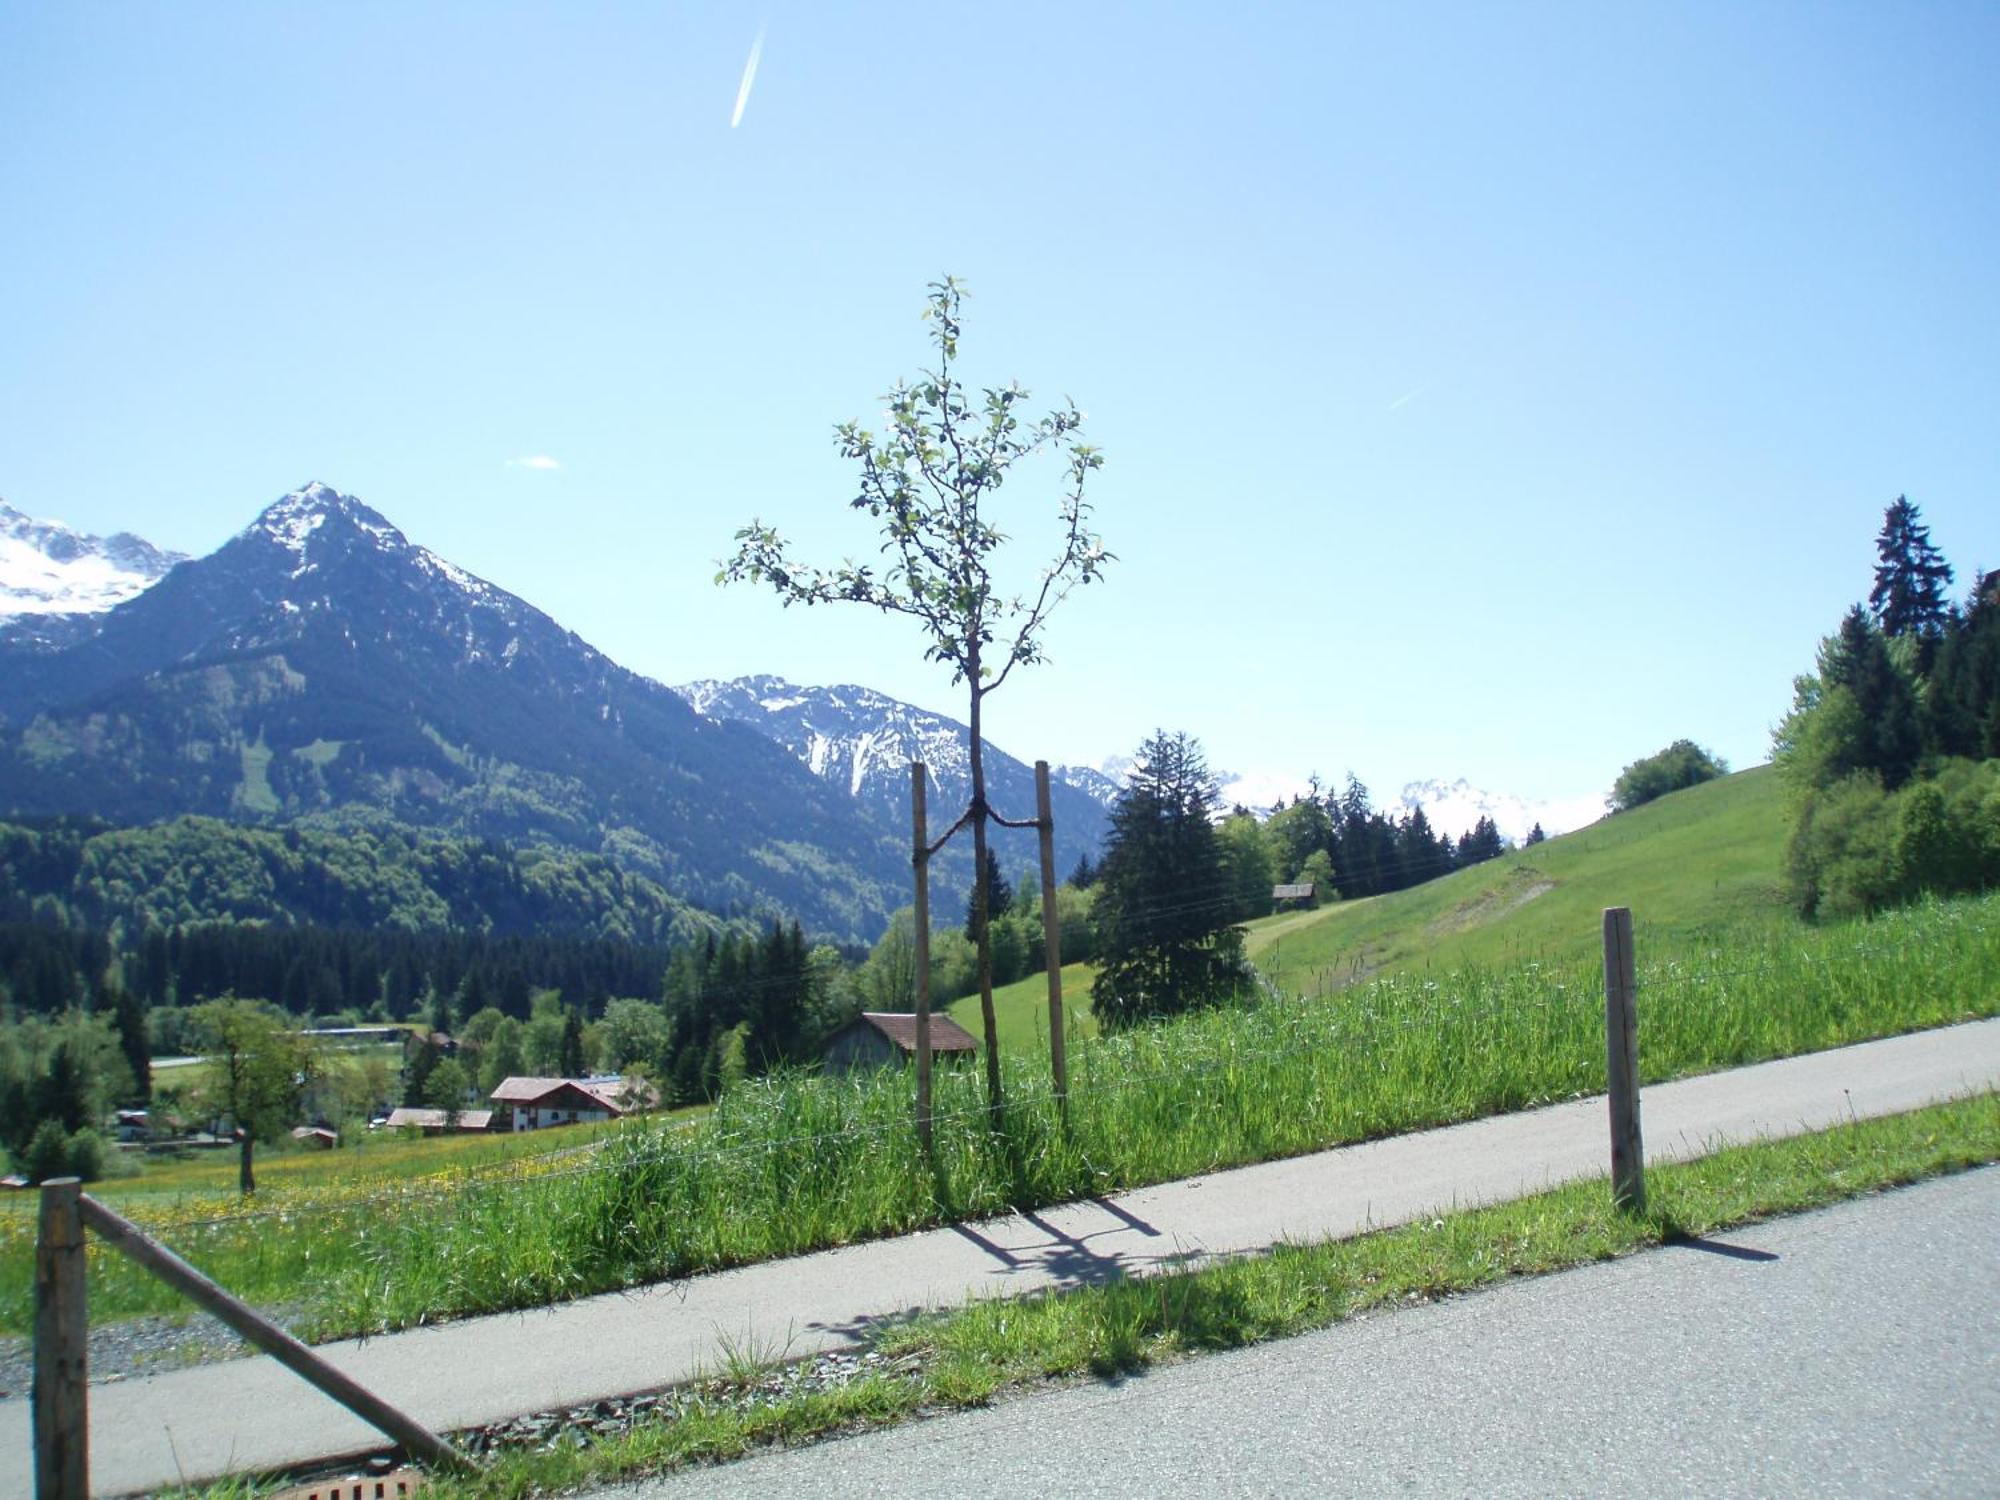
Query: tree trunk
246, 1179
981, 936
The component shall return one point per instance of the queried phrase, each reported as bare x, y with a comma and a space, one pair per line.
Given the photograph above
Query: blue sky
1486, 391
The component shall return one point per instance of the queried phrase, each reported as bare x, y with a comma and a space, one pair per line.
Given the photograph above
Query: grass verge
973, 1355
795, 1163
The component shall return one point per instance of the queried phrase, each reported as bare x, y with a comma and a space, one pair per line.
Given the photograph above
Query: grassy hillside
1705, 860
1021, 1010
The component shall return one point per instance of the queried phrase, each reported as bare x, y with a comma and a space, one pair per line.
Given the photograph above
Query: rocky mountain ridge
319, 665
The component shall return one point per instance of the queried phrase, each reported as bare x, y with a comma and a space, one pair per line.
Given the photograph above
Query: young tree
446, 1089
501, 1058
1163, 898
1536, 836
1911, 577
258, 1069
927, 481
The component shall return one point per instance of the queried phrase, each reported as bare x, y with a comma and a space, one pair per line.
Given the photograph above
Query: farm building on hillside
535, 1103
877, 1038
438, 1121
1302, 894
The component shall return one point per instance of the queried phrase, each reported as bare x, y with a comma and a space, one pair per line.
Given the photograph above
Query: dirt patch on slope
1521, 887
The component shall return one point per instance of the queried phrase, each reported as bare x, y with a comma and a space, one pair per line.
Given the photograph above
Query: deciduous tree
927, 482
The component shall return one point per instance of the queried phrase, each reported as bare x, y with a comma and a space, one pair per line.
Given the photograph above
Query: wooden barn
881, 1038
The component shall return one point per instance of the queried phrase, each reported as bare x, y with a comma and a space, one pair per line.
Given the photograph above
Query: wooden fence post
62, 1349
1045, 823
921, 860
128, 1239
1621, 1056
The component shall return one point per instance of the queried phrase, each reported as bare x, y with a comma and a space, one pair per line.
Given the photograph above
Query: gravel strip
139, 1346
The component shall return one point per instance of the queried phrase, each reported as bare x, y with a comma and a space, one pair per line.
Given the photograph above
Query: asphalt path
251, 1415
1853, 1351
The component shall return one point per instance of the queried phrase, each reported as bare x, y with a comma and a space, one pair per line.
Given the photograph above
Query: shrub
1681, 764
1856, 849
85, 1155
47, 1154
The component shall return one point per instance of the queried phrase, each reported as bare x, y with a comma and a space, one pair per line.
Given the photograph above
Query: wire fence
1379, 1014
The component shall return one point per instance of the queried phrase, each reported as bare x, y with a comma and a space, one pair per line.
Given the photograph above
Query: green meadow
1502, 1011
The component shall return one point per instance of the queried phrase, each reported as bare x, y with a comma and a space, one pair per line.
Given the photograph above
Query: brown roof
900, 1027
528, 1090
624, 1094
438, 1119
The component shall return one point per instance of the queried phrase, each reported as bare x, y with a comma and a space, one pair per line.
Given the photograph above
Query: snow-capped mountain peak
863, 741
1452, 807
292, 521
46, 568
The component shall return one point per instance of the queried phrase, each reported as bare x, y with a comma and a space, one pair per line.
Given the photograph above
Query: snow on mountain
48, 569
320, 664
864, 741
855, 736
1452, 807
1101, 783
1257, 790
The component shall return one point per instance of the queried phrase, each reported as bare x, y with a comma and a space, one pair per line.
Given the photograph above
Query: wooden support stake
1621, 1056
922, 863
416, 1439
1045, 823
62, 1347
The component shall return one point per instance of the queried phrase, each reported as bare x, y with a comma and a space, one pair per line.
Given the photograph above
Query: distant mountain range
863, 741
53, 578
1452, 807
319, 665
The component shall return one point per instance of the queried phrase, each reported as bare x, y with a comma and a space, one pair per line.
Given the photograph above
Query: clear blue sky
1497, 391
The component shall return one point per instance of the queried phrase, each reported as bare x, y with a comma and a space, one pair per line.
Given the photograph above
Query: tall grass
796, 1163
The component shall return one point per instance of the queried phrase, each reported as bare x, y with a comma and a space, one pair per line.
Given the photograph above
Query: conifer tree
999, 897
1891, 736
1911, 577
135, 1043
1163, 898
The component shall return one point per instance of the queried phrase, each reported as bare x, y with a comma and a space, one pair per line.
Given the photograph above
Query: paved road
250, 1414
1854, 1351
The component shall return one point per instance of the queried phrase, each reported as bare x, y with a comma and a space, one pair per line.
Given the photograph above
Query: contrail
1405, 400
749, 77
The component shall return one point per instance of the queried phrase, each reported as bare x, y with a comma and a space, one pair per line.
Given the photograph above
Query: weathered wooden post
921, 860
128, 1239
1045, 822
62, 1350
1621, 1056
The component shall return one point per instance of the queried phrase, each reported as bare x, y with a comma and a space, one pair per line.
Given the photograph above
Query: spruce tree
1963, 692
1163, 898
1891, 738
135, 1043
1911, 577
571, 1064
999, 897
